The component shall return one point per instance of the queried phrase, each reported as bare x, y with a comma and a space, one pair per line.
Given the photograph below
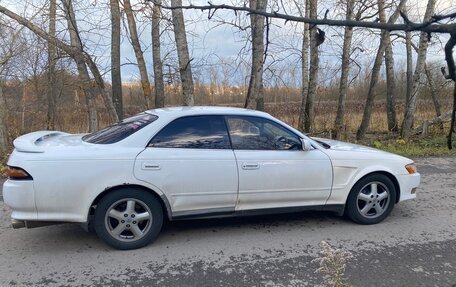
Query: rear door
192, 162
274, 171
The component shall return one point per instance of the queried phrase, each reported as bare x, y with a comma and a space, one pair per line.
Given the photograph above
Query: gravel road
415, 246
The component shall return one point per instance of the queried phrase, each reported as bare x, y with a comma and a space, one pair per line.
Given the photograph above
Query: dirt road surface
415, 246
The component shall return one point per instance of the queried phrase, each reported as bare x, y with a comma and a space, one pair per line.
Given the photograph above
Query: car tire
128, 218
371, 199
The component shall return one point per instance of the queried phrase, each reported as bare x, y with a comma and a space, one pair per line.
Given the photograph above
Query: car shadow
252, 221
66, 237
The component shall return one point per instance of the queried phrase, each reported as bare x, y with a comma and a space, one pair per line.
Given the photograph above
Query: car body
191, 162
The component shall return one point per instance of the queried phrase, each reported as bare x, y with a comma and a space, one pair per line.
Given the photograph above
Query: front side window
255, 133
200, 132
120, 130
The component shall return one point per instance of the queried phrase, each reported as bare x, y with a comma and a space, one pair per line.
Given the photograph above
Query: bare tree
433, 25
52, 59
90, 91
145, 84
409, 69
10, 46
317, 37
451, 76
376, 71
183, 55
434, 91
156, 56
258, 49
304, 68
74, 50
390, 80
346, 48
116, 77
419, 68
3, 130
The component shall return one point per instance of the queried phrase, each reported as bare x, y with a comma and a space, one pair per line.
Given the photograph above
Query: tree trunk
345, 69
420, 61
256, 73
434, 91
424, 128
156, 56
3, 129
145, 84
84, 78
183, 54
52, 58
375, 73
101, 88
313, 72
259, 52
408, 47
116, 78
304, 69
390, 80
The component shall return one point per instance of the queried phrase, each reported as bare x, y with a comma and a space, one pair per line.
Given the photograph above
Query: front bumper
408, 184
19, 195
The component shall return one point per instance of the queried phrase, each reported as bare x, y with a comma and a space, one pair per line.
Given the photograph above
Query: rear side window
120, 130
199, 132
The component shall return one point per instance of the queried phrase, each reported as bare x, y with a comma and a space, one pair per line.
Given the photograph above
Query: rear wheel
371, 199
128, 218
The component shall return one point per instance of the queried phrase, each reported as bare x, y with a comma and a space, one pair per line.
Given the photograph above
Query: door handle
150, 166
250, 166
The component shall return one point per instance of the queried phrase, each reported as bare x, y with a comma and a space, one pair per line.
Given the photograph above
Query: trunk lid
38, 142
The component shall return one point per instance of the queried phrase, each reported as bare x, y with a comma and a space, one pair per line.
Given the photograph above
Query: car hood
344, 146
341, 150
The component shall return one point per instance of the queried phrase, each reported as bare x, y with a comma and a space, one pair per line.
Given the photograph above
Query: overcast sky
212, 43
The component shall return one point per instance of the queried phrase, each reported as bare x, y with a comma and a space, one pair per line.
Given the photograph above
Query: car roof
174, 112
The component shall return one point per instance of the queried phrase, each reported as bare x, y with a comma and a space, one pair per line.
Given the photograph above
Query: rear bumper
408, 184
19, 195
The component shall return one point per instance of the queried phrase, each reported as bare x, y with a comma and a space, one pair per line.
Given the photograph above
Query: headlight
411, 168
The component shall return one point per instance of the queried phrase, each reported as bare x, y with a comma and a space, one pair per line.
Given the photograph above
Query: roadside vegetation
331, 265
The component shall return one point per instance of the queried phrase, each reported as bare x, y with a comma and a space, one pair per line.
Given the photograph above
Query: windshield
120, 130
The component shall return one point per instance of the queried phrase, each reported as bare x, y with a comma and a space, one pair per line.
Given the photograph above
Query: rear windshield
120, 130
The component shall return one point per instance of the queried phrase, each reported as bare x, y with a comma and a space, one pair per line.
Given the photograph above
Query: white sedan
181, 163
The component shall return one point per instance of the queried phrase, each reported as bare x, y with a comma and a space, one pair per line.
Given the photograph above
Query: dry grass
283, 103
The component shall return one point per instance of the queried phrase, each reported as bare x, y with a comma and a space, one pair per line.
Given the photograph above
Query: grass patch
2, 170
415, 146
3, 160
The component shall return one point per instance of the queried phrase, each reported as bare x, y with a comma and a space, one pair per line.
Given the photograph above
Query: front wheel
128, 218
371, 199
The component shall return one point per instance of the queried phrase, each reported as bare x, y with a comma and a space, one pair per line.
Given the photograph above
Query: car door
274, 171
191, 161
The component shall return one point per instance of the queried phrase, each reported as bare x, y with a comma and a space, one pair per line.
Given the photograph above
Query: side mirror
306, 146
254, 131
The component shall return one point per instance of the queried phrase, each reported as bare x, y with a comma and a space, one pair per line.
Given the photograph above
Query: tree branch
449, 57
428, 26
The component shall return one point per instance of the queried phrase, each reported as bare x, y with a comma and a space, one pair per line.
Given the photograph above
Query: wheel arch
166, 207
387, 174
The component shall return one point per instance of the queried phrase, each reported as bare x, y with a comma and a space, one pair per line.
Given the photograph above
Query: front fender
346, 175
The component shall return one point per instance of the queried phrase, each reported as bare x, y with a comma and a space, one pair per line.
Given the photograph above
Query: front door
191, 161
274, 171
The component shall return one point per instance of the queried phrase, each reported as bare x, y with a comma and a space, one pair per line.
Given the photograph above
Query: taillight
17, 173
